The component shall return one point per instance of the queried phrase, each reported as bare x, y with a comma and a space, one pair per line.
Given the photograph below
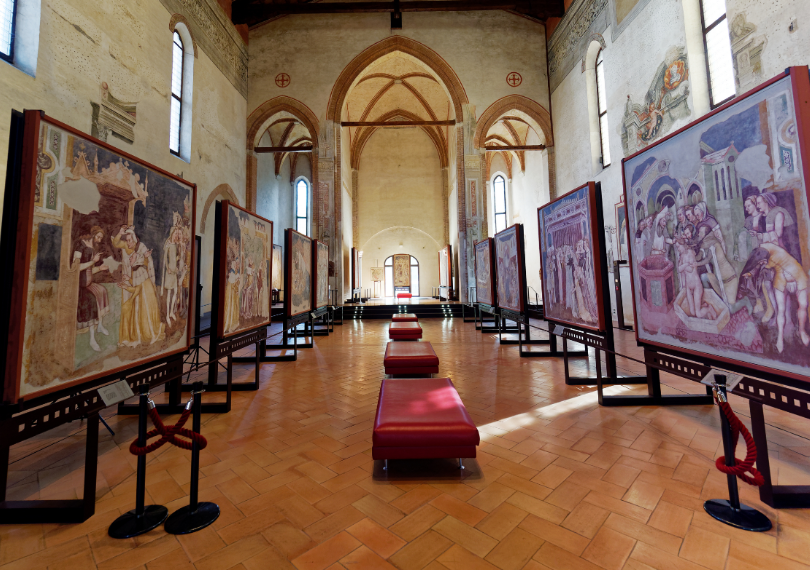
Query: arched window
177, 94
719, 62
302, 206
499, 202
601, 102
389, 277
8, 17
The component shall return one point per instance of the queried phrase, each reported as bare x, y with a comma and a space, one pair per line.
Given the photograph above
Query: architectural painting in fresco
509, 262
569, 255
484, 287
109, 266
719, 235
299, 273
246, 278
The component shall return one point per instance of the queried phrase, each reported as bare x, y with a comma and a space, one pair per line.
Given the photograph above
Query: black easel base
550, 353
580, 381
50, 511
288, 346
183, 521
129, 524
788, 497
745, 518
509, 341
644, 400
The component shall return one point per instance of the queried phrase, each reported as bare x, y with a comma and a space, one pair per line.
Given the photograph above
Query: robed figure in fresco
232, 287
140, 309
94, 303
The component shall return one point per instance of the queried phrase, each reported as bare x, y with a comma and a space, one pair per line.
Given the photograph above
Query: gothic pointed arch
223, 191
517, 103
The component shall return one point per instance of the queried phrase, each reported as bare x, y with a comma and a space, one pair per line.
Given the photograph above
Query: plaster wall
128, 45
274, 196
479, 46
348, 238
399, 202
630, 64
452, 207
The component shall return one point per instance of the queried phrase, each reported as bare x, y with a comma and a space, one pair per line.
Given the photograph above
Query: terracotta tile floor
559, 483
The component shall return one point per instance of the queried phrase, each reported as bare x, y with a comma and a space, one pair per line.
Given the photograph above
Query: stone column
251, 181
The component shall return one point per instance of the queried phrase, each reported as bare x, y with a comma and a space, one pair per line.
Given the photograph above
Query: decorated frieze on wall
583, 18
216, 34
665, 102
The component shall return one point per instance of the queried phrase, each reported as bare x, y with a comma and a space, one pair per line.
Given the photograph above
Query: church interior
405, 284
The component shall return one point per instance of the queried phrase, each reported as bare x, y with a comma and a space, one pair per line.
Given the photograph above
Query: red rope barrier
168, 434
741, 468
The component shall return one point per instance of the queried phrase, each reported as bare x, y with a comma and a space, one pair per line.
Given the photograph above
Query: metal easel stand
484, 309
471, 303
307, 332
600, 344
524, 338
225, 348
322, 328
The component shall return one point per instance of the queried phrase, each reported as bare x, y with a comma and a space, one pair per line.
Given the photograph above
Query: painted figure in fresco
780, 228
687, 270
172, 263
709, 222
232, 287
661, 238
94, 303
754, 224
140, 309
247, 291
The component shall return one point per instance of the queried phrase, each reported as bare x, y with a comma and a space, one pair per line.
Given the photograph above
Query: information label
559, 330
114, 393
731, 379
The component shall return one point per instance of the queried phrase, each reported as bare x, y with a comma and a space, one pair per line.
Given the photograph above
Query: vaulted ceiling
286, 130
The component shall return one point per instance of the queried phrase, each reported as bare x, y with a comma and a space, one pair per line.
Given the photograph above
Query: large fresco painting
719, 233
104, 262
402, 270
484, 272
245, 245
321, 289
569, 256
278, 267
298, 287
510, 269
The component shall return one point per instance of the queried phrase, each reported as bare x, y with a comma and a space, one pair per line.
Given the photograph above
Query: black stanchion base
745, 518
129, 524
183, 521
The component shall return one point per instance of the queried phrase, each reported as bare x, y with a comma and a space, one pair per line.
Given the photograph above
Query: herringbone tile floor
559, 483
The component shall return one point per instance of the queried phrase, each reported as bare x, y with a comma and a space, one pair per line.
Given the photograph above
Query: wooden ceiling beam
267, 149
254, 12
449, 123
516, 147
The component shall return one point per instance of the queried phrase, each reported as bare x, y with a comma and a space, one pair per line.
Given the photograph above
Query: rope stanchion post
731, 511
143, 518
196, 516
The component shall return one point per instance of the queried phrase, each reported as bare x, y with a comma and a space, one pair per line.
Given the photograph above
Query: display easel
601, 341
220, 348
617, 282
484, 309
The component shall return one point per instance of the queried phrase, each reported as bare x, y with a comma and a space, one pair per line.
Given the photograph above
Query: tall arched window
499, 202
8, 16
601, 102
302, 206
177, 94
719, 61
389, 277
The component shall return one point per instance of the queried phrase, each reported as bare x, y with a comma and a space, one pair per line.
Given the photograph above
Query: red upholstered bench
404, 318
404, 331
410, 359
404, 296
422, 418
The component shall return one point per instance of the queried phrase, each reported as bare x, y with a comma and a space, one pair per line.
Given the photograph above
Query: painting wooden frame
38, 160
355, 269
230, 306
401, 278
446, 273
621, 222
795, 85
320, 274
485, 283
575, 204
292, 278
507, 274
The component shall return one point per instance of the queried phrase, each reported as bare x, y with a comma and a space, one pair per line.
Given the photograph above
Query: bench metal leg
460, 463
385, 465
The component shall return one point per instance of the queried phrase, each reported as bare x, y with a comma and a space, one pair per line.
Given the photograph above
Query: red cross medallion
514, 79
282, 80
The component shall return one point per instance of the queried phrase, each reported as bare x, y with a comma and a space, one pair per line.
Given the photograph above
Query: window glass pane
301, 225
389, 261
6, 20
301, 199
500, 195
603, 127
712, 10
721, 70
177, 70
413, 261
500, 222
415, 280
600, 87
389, 280
174, 126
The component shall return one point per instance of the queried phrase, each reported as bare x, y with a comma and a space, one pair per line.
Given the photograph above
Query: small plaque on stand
731, 379
559, 330
114, 393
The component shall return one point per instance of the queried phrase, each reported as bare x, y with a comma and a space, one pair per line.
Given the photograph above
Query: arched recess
360, 142
180, 19
257, 123
221, 191
518, 103
389, 45
596, 45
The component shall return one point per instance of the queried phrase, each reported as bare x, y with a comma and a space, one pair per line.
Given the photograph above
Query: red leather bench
404, 331
422, 418
410, 359
404, 318
404, 296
